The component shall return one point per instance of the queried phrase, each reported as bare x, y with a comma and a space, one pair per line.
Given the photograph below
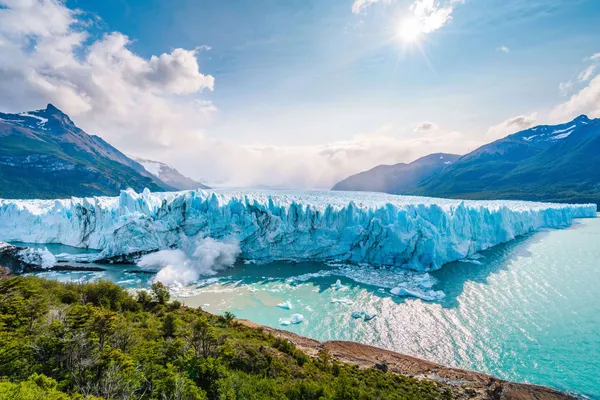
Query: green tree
160, 293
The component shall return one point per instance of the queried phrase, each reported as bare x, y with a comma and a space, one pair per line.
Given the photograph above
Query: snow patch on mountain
42, 120
550, 134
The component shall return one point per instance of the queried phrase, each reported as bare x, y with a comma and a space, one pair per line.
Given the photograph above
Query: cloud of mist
194, 259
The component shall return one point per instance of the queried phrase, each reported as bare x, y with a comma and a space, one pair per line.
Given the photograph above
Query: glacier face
374, 228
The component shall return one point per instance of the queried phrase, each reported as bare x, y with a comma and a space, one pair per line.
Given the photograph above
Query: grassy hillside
73, 341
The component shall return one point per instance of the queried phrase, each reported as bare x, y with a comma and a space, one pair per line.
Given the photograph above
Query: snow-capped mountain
170, 175
550, 163
551, 134
43, 154
547, 162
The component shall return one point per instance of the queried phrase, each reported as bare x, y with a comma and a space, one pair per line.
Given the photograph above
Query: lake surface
527, 311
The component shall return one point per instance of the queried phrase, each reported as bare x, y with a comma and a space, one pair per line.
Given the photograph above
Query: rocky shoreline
464, 384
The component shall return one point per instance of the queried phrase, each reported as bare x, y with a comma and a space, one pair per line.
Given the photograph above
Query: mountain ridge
45, 155
557, 163
401, 177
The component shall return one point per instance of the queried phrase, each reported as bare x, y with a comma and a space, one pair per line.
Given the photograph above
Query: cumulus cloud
511, 125
46, 56
503, 49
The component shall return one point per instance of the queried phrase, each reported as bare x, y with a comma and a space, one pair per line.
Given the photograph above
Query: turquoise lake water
526, 311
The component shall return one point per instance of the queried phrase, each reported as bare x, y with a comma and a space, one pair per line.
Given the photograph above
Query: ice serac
378, 229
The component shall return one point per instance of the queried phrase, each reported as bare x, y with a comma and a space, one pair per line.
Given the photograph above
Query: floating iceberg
297, 318
338, 285
371, 228
286, 305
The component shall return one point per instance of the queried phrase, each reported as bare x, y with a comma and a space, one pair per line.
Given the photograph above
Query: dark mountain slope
44, 155
558, 163
551, 163
398, 179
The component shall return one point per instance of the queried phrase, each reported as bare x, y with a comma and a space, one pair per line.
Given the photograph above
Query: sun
410, 30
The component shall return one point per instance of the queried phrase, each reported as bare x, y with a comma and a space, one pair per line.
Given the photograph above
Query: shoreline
468, 384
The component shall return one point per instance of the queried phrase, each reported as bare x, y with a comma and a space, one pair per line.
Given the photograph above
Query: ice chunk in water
297, 318
338, 285
286, 305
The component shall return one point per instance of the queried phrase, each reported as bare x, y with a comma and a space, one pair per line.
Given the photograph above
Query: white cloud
586, 101
359, 5
587, 73
321, 166
425, 127
131, 101
503, 49
511, 125
431, 15
426, 15
565, 87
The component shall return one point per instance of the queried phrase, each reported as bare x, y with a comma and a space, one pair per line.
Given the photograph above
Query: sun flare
410, 30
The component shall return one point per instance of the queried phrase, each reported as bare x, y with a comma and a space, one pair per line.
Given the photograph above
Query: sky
300, 93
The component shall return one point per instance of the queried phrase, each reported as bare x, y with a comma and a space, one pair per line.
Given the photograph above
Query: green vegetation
62, 170
91, 341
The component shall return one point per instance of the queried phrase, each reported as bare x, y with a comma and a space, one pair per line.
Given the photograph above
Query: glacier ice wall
374, 228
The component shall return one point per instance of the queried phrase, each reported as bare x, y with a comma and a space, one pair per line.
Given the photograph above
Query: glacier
358, 227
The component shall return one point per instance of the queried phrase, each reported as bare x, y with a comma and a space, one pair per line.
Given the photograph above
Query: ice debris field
208, 229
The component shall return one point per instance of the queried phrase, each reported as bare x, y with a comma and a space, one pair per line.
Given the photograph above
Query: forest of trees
96, 341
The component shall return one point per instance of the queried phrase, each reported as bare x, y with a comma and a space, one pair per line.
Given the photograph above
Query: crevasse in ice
377, 229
